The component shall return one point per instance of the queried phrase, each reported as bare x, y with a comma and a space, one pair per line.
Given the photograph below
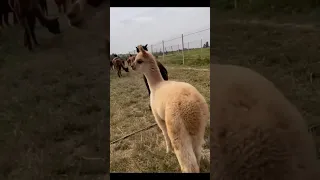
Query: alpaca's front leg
161, 123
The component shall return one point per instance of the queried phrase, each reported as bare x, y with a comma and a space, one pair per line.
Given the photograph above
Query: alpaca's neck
153, 76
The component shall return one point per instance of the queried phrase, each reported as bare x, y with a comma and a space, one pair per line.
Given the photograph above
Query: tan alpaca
256, 133
180, 111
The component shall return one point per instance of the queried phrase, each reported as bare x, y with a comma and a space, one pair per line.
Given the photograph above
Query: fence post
162, 50
182, 49
188, 47
151, 50
201, 49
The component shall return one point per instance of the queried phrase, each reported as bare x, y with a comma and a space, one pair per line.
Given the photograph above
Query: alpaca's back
256, 132
182, 101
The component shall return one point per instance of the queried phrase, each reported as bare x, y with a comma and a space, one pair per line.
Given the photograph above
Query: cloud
136, 20
143, 19
127, 21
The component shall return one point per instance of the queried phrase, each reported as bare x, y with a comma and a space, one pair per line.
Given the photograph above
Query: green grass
192, 58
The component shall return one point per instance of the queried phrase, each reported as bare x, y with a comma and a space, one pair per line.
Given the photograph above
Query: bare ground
285, 51
54, 103
129, 107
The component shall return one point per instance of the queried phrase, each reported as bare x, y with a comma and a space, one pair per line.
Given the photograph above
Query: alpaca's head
145, 47
144, 61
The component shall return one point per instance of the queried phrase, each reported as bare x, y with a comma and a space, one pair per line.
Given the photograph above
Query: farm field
129, 112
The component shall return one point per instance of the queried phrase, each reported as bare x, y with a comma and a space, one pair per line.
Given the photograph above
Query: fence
181, 47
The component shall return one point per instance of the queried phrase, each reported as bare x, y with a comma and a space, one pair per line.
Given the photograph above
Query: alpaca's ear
137, 49
141, 49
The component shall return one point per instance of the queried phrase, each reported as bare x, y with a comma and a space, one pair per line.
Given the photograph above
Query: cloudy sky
130, 27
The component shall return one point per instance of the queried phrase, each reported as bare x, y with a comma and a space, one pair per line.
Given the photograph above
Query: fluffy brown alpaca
256, 133
180, 111
118, 64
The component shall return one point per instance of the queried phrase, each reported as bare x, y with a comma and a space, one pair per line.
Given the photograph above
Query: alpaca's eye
139, 61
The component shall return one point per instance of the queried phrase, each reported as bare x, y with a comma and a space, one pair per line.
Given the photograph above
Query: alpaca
118, 64
256, 133
163, 70
111, 65
27, 11
130, 59
180, 111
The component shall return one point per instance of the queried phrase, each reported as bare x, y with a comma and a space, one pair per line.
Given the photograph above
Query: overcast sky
130, 27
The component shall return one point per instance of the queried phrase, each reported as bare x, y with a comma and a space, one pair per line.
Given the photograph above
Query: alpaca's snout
133, 67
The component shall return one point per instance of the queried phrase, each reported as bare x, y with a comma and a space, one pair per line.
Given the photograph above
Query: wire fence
181, 47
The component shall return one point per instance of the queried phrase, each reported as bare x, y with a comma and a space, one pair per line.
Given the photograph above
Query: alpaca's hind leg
197, 147
162, 125
119, 73
183, 149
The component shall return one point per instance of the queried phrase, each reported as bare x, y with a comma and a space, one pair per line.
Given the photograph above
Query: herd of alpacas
256, 133
26, 12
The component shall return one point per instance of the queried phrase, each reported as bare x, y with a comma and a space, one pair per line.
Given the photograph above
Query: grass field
286, 52
129, 107
192, 58
54, 102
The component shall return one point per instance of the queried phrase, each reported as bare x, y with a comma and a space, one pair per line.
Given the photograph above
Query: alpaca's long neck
153, 76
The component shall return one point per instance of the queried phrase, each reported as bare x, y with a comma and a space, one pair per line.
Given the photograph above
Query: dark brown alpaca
130, 59
111, 65
27, 12
118, 64
163, 71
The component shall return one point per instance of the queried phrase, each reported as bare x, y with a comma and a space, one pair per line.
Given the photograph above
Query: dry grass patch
129, 112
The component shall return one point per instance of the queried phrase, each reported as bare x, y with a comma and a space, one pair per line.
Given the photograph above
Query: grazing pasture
54, 102
145, 151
